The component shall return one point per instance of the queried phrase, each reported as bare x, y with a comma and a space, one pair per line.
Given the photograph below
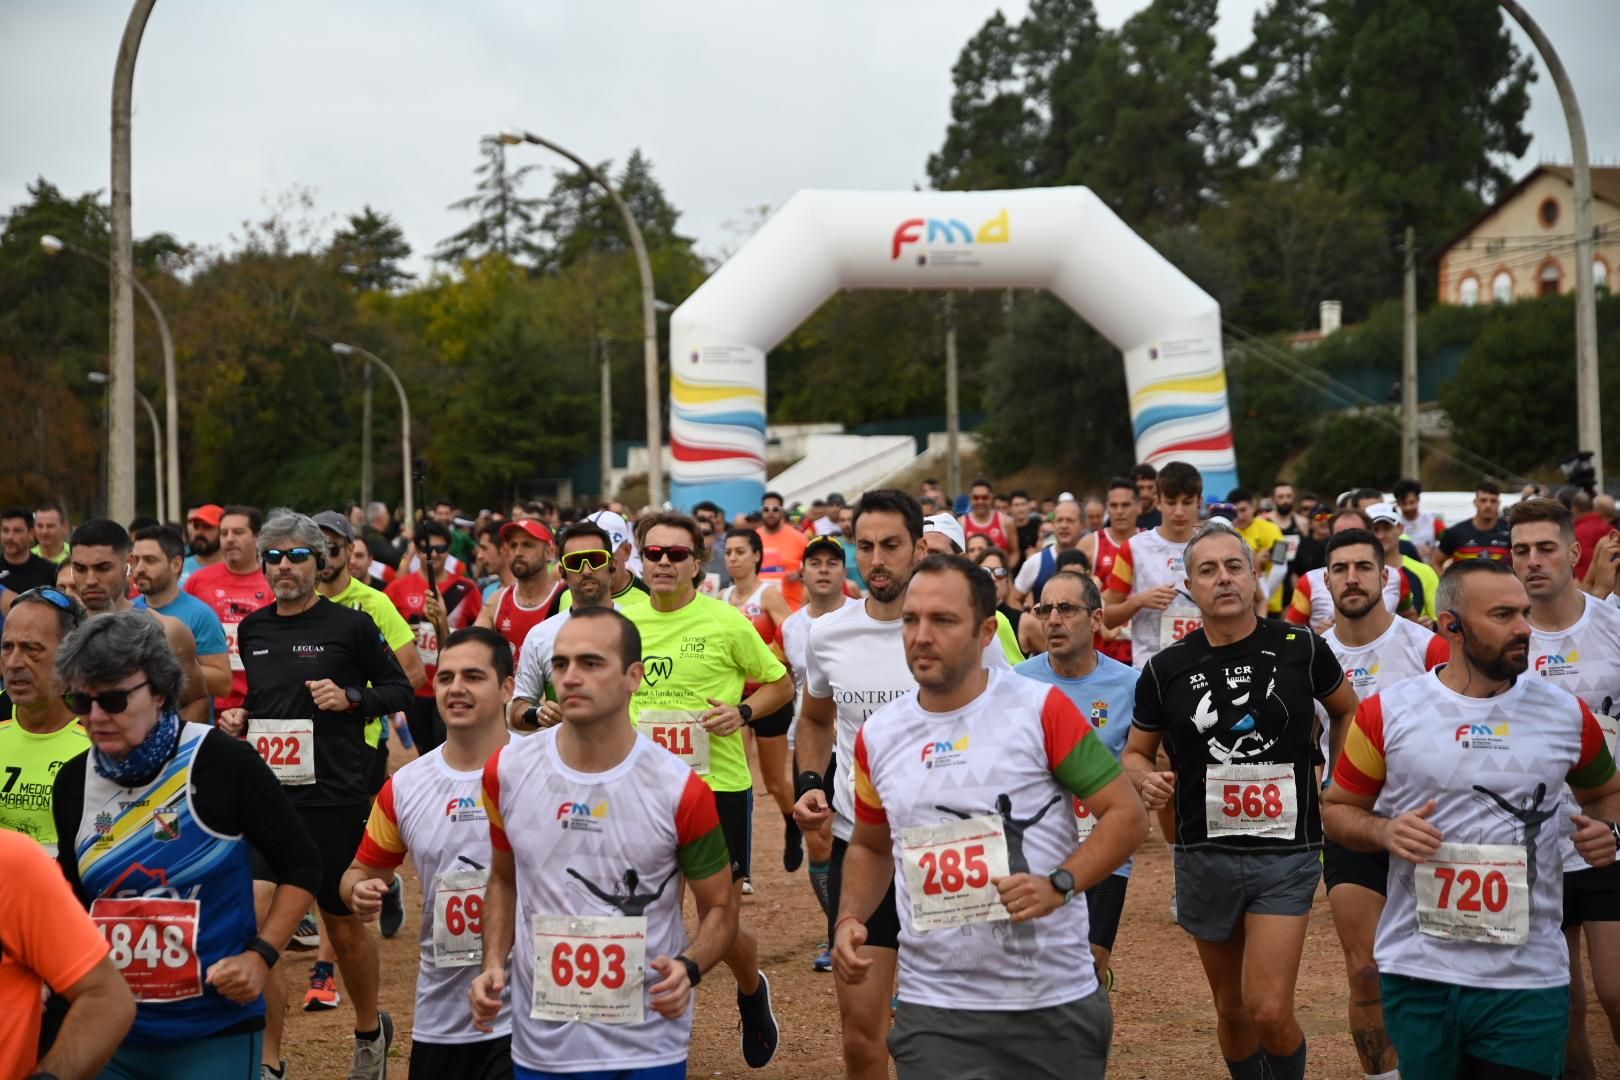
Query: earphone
1455, 625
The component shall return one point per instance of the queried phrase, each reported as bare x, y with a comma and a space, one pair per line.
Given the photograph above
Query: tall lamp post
343, 349
649, 310
121, 331
171, 402
100, 379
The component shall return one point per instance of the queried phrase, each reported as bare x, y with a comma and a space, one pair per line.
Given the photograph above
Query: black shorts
737, 826
883, 927
1105, 903
337, 831
1342, 866
1592, 895
487, 1059
775, 725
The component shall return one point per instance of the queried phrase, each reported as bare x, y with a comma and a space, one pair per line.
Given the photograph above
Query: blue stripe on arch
1160, 414
746, 419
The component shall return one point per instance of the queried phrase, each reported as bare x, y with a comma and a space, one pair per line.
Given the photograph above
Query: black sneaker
792, 845
393, 910
759, 1031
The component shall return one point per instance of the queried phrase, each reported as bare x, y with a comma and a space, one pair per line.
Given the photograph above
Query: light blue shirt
1106, 698
206, 629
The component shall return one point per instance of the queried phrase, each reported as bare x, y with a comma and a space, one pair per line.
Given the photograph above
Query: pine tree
505, 221
370, 249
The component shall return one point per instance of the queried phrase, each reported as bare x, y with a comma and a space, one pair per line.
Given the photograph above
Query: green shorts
1436, 1026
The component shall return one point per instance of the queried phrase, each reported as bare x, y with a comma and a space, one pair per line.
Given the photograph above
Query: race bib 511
679, 732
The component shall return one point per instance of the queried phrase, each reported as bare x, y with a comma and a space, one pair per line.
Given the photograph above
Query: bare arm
101, 1011
216, 671
411, 661
194, 697
500, 926
1341, 709
363, 886
486, 617
868, 871
771, 696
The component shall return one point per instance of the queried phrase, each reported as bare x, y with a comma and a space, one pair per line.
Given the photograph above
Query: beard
201, 545
1354, 607
1500, 666
1285, 507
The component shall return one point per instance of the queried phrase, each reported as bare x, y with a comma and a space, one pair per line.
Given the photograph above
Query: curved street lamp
53, 245
100, 379
649, 310
342, 349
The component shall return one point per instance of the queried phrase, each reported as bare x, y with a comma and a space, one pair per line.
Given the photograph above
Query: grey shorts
1063, 1042
1215, 889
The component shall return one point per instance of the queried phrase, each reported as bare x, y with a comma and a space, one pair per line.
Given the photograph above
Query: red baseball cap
532, 526
209, 514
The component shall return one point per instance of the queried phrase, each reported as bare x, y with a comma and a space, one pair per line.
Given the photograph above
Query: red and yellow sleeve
868, 805
492, 802
1123, 573
1437, 653
1299, 608
1596, 765
1360, 769
382, 845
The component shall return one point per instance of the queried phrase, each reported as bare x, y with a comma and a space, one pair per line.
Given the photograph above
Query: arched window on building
1468, 291
1502, 287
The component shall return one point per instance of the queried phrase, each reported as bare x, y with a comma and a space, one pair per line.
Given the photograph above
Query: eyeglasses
338, 551
436, 549
997, 571
675, 553
298, 556
49, 595
1063, 608
112, 702
576, 562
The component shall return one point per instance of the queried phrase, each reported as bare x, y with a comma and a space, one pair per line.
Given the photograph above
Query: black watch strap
531, 716
807, 781
694, 974
746, 711
266, 950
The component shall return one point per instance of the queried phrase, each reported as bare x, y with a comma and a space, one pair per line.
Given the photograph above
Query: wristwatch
1063, 882
693, 974
266, 950
531, 716
807, 781
354, 696
747, 714
1614, 830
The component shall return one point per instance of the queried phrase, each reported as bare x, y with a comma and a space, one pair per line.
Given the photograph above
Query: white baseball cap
619, 535
1385, 512
947, 524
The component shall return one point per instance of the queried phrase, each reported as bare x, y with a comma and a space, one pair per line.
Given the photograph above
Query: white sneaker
748, 887
371, 1058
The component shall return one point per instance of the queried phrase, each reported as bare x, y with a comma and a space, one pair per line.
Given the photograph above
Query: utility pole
1409, 368
607, 415
953, 411
365, 439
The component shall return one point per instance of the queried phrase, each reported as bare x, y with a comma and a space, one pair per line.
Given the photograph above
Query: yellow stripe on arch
696, 394
1214, 383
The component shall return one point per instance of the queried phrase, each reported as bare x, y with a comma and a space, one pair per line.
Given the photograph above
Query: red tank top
754, 611
513, 621
993, 531
1107, 551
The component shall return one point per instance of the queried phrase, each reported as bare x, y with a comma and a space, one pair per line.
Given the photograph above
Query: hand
848, 964
1157, 788
811, 812
672, 993
240, 978
1411, 837
1593, 840
329, 696
1027, 896
549, 714
723, 719
232, 722
1160, 598
368, 897
433, 608
485, 996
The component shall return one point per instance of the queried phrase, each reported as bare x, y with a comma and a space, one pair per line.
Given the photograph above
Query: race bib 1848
589, 969
153, 944
1251, 800
949, 868
1475, 892
679, 732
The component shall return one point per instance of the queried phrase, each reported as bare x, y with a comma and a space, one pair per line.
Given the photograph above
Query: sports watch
355, 696
693, 974
267, 951
746, 711
1063, 882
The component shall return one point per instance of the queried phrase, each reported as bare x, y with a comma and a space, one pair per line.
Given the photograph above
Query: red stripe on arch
1214, 442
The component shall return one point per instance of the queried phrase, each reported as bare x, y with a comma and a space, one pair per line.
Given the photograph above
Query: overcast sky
737, 103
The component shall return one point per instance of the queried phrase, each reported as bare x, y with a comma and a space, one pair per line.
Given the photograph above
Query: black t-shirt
1198, 696
1466, 540
328, 641
1150, 520
31, 573
1029, 533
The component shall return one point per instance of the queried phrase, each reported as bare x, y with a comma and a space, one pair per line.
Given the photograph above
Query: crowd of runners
967, 718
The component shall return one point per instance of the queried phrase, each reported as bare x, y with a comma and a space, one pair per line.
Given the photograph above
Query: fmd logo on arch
948, 232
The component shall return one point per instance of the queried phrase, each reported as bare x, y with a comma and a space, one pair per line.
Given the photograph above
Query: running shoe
823, 961
371, 1055
323, 992
393, 909
748, 887
307, 936
792, 845
760, 1033
267, 1072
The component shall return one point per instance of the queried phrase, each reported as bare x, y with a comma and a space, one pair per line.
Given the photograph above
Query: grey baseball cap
336, 522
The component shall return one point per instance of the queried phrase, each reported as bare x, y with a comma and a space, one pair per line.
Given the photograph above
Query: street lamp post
100, 379
171, 402
649, 311
342, 349
121, 331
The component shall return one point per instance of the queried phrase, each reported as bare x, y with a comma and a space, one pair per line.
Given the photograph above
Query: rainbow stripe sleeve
1077, 757
382, 846
700, 845
1360, 770
1299, 608
492, 803
1596, 766
1122, 574
868, 805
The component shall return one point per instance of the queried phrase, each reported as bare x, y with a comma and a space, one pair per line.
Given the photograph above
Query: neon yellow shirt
1007, 638
1261, 534
28, 765
706, 649
60, 557
390, 623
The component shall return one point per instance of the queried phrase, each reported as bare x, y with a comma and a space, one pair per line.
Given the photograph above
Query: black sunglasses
437, 549
297, 556
112, 702
675, 554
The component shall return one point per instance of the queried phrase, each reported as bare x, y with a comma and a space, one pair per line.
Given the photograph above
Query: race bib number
949, 868
681, 734
589, 969
427, 643
1475, 892
458, 918
1084, 820
1176, 622
1251, 800
153, 944
287, 746
233, 643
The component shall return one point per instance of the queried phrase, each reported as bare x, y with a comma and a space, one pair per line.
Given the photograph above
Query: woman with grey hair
157, 826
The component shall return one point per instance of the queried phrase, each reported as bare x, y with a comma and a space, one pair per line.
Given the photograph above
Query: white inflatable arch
1061, 239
